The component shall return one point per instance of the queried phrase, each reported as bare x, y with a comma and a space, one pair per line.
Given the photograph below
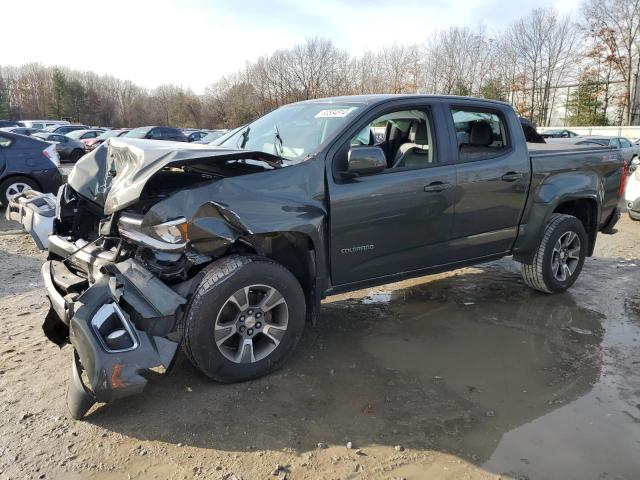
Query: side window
624, 143
155, 134
406, 138
481, 134
614, 143
5, 142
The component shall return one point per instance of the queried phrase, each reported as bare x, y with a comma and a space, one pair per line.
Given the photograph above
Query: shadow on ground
450, 364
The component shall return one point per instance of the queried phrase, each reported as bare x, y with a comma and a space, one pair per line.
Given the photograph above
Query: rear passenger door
493, 175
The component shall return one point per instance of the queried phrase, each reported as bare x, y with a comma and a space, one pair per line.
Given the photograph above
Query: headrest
419, 133
481, 134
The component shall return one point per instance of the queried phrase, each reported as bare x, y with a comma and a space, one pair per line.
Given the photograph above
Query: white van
41, 124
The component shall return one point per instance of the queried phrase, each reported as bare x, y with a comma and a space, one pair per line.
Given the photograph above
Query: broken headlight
174, 231
168, 236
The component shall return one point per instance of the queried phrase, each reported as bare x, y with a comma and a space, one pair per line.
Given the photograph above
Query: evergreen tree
58, 95
492, 89
584, 107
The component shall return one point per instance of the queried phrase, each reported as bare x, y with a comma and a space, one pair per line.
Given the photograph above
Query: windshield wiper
277, 138
245, 137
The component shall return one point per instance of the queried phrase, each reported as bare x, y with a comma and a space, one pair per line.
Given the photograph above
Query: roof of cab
380, 98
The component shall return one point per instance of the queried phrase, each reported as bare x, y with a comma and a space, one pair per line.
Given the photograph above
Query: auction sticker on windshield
334, 113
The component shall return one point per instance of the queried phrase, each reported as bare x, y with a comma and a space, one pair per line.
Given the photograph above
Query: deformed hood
114, 174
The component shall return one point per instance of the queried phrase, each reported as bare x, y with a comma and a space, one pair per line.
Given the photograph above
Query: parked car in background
84, 134
27, 163
41, 124
632, 190
8, 123
559, 134
22, 130
194, 134
629, 150
64, 129
211, 136
67, 148
158, 133
91, 143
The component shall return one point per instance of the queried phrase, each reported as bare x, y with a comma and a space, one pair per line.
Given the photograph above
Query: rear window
481, 134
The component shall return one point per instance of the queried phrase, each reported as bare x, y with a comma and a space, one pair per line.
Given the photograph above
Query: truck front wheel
245, 318
560, 256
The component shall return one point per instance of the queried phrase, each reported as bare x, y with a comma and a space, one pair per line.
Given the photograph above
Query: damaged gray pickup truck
228, 250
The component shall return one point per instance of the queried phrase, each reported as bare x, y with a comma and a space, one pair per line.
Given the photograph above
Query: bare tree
615, 24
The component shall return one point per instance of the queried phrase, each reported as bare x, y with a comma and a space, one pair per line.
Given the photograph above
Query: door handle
437, 187
512, 176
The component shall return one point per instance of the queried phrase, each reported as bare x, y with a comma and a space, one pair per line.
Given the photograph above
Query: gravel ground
468, 374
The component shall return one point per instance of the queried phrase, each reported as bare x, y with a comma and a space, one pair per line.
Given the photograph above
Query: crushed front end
129, 238
118, 315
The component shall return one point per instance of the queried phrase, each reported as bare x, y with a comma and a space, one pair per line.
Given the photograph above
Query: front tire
244, 320
558, 261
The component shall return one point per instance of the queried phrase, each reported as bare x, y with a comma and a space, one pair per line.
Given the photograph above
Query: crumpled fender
219, 213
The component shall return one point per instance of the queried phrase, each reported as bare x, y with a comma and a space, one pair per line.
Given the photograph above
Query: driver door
398, 220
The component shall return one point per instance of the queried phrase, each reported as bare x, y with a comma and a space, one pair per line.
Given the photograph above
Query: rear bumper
118, 324
35, 211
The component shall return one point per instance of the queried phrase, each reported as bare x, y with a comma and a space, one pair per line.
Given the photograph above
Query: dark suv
158, 133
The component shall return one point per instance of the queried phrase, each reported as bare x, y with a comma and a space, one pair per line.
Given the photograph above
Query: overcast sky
193, 43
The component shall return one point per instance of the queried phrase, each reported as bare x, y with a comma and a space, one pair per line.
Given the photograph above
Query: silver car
629, 150
67, 148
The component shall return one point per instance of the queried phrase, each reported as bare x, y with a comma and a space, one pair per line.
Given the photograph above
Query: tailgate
35, 211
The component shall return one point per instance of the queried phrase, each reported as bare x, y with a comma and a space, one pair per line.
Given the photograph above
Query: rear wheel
14, 186
560, 256
244, 320
76, 155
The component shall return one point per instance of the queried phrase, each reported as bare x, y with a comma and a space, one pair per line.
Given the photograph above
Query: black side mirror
366, 161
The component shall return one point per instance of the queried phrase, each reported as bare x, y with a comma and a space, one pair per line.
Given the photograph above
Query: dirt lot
462, 375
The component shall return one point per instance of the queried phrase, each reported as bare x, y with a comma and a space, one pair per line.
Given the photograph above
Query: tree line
589, 67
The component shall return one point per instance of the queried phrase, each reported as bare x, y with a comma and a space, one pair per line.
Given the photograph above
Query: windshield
109, 134
292, 131
211, 136
139, 132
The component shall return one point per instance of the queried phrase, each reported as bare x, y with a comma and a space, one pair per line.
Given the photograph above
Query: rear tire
14, 185
558, 261
76, 155
244, 320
